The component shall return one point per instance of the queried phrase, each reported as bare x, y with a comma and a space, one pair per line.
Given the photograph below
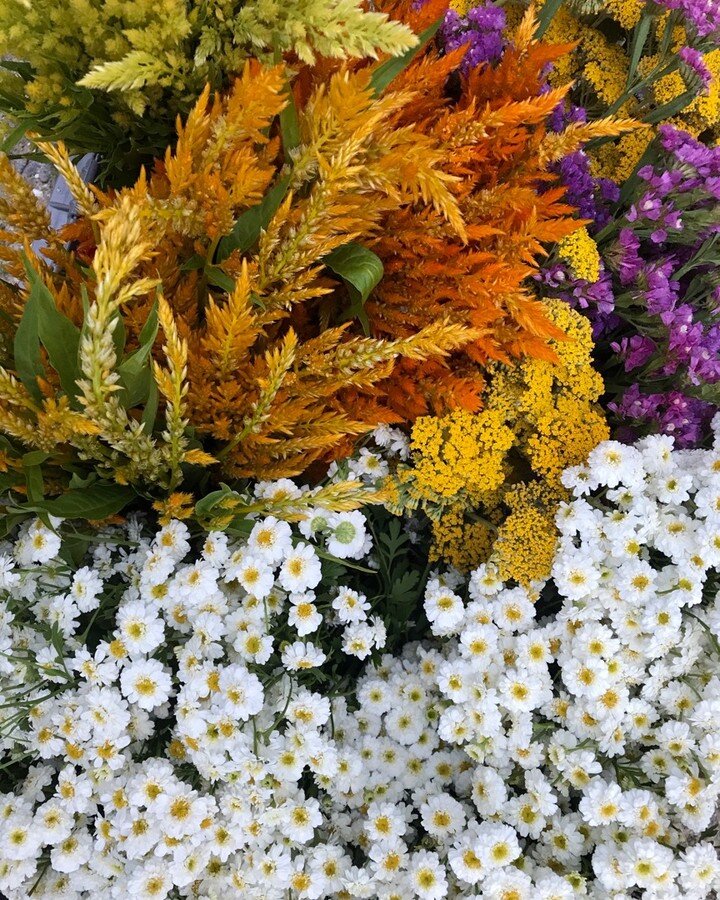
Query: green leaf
246, 230
217, 277
119, 336
207, 504
32, 468
95, 502
136, 370
670, 109
26, 349
640, 36
14, 137
361, 270
151, 407
387, 71
59, 336
196, 261
545, 17
289, 126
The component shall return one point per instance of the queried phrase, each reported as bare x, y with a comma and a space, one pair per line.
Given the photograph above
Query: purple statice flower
702, 15
674, 413
629, 263
692, 61
481, 30
700, 164
566, 114
692, 347
635, 351
592, 196
595, 299
658, 291
655, 209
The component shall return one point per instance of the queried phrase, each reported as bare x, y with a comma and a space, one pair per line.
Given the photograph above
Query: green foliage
92, 71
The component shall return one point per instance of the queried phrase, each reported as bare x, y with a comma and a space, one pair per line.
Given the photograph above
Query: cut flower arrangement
360, 452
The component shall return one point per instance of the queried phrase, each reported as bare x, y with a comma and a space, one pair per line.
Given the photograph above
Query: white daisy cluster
164, 702
596, 729
538, 745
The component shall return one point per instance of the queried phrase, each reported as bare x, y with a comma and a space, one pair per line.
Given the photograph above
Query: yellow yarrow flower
581, 254
490, 481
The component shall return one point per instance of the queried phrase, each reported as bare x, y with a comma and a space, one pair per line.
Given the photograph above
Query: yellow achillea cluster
625, 12
600, 63
490, 481
581, 254
600, 67
461, 453
703, 113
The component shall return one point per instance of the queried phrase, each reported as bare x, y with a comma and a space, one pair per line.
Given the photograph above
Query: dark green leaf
247, 229
289, 126
359, 268
195, 262
206, 504
151, 407
95, 502
387, 71
59, 336
670, 109
13, 137
217, 277
32, 468
26, 348
23, 69
119, 336
35, 458
640, 36
545, 17
136, 371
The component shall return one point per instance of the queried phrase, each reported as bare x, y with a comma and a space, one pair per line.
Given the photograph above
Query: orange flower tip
199, 458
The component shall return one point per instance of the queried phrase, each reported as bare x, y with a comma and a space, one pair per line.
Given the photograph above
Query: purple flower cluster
694, 69
664, 259
687, 419
703, 16
591, 196
481, 30
596, 299
656, 308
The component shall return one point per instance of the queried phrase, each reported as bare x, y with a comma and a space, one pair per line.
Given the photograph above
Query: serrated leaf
95, 502
387, 71
246, 230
